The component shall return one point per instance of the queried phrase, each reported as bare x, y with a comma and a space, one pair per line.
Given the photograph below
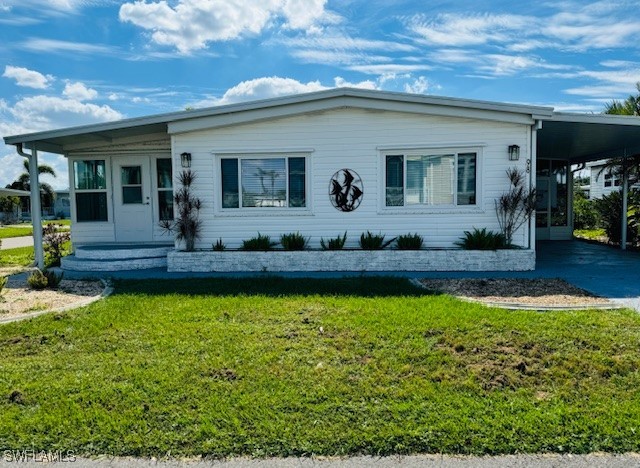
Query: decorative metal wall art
346, 190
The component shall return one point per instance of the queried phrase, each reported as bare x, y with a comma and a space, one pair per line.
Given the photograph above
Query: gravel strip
18, 299
546, 293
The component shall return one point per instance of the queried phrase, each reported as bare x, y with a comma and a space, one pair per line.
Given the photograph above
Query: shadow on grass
274, 286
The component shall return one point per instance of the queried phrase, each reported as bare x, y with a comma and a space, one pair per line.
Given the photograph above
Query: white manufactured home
321, 164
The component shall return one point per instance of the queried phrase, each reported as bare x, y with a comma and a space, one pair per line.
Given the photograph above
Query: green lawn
22, 256
297, 367
15, 231
590, 234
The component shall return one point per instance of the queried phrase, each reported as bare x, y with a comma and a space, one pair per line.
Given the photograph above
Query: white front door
133, 211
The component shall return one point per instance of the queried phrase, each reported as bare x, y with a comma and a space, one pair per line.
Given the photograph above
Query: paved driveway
15, 242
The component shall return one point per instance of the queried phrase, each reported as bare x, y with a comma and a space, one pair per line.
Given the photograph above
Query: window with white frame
90, 187
430, 178
257, 181
612, 180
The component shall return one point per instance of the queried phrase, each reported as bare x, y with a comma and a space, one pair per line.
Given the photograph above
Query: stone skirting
352, 260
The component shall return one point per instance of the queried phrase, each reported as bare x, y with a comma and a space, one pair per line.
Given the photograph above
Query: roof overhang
5, 192
56, 141
588, 137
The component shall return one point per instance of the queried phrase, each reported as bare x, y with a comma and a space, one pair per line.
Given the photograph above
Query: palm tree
630, 106
23, 182
627, 166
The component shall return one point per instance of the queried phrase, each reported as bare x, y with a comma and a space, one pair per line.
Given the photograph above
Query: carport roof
588, 137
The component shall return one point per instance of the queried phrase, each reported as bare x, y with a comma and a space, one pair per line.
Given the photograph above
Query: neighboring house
604, 181
15, 214
61, 208
410, 163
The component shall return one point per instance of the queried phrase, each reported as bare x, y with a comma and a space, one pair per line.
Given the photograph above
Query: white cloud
56, 46
420, 86
262, 88
367, 84
190, 25
389, 68
79, 91
27, 78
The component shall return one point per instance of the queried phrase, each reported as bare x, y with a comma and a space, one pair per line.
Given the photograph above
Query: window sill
261, 213
432, 210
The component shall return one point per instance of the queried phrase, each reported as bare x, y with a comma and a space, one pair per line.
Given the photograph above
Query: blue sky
74, 62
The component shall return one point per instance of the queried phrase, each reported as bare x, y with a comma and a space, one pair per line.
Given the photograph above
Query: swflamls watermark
38, 456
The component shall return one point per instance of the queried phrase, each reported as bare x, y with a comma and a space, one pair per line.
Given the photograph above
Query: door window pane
91, 206
165, 173
165, 204
263, 182
559, 193
131, 195
89, 175
131, 175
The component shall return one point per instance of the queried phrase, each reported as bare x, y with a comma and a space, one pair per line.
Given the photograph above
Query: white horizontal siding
350, 139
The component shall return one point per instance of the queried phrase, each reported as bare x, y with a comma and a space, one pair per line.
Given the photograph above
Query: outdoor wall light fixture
185, 159
514, 152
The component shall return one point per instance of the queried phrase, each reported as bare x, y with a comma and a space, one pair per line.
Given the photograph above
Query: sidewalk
15, 242
413, 461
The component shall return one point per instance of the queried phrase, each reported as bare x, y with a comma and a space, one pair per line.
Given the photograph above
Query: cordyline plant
515, 207
187, 225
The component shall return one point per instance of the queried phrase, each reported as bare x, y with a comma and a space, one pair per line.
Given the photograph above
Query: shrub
219, 246
37, 280
259, 243
481, 239
53, 278
609, 208
371, 241
515, 207
336, 243
187, 224
585, 214
293, 241
409, 242
3, 283
54, 239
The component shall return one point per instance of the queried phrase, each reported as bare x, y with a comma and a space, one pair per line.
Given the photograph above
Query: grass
15, 231
270, 366
21, 256
590, 234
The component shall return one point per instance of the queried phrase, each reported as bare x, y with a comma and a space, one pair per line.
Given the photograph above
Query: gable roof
190, 120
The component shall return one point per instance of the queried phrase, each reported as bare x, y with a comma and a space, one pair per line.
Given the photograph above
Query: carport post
625, 202
36, 210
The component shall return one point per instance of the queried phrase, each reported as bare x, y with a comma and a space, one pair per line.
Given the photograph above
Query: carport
567, 139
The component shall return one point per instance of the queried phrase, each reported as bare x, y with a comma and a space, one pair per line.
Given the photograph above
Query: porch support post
625, 202
36, 210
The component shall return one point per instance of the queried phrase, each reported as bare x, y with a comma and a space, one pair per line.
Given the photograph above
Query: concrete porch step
122, 251
117, 257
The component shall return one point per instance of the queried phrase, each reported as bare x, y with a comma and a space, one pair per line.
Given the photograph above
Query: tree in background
630, 106
23, 182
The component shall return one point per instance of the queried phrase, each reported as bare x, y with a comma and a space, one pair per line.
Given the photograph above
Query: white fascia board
606, 119
346, 102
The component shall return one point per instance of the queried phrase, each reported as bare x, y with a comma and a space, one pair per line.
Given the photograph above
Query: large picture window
90, 184
263, 182
430, 178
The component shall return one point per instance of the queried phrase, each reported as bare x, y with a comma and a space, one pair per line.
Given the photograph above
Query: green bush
481, 239
293, 241
609, 208
54, 239
371, 241
219, 246
258, 243
409, 242
585, 214
37, 280
336, 243
3, 283
53, 278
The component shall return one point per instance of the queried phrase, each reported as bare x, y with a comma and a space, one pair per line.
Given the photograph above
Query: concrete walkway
414, 461
15, 242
